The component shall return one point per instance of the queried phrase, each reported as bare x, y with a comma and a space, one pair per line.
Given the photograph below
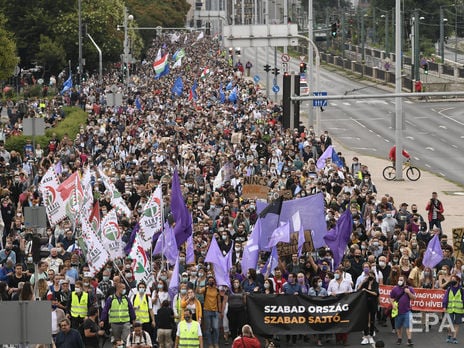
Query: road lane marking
428, 165
430, 148
359, 123
410, 137
449, 117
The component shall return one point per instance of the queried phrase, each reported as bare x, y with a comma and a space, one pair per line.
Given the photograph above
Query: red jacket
246, 342
429, 208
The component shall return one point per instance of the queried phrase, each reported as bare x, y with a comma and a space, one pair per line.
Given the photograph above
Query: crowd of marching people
212, 117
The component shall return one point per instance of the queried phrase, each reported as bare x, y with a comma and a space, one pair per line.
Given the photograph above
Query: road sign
256, 78
285, 58
284, 67
302, 58
319, 102
275, 89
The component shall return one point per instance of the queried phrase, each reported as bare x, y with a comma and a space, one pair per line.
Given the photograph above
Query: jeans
211, 327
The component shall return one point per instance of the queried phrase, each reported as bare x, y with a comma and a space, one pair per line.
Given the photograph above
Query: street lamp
387, 49
442, 35
415, 43
126, 54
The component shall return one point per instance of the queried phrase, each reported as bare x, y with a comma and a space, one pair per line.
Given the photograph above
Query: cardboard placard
287, 249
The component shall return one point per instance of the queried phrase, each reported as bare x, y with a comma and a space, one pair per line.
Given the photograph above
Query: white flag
116, 199
178, 63
97, 256
53, 202
140, 263
200, 36
88, 194
151, 221
111, 235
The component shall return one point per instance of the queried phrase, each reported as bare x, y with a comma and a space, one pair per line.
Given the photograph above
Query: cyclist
392, 154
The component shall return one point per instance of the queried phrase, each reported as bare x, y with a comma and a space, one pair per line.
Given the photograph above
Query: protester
453, 302
68, 337
188, 332
247, 339
403, 294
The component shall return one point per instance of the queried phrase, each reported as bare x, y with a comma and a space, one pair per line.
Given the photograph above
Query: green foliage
75, 117
8, 57
51, 54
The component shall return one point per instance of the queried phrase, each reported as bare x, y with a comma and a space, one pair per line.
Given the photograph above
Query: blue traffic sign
256, 78
319, 102
275, 89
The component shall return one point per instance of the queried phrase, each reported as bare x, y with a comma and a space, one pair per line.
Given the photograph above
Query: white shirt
339, 288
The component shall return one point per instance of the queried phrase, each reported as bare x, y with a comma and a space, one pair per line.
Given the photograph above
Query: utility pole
79, 9
442, 35
398, 100
310, 65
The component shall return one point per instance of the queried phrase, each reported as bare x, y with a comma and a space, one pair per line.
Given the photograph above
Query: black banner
291, 314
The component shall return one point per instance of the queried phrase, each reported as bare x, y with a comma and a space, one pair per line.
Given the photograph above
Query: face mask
163, 277
59, 250
224, 237
30, 259
395, 237
414, 211
182, 259
453, 283
376, 244
86, 284
185, 279
160, 286
123, 292
382, 264
128, 275
363, 247
142, 290
366, 270
54, 307
325, 268
300, 280
336, 276
183, 291
210, 283
426, 274
201, 274
187, 317
400, 283
395, 260
266, 286
78, 290
238, 249
319, 284
106, 278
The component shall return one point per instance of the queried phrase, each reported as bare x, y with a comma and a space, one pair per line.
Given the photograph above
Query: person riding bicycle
392, 154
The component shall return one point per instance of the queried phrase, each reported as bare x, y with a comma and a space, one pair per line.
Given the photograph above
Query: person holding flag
453, 302
143, 307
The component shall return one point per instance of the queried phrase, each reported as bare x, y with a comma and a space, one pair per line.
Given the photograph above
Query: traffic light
334, 30
426, 69
302, 67
267, 68
208, 29
275, 71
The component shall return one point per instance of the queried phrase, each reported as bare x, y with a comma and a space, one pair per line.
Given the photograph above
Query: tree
51, 55
8, 57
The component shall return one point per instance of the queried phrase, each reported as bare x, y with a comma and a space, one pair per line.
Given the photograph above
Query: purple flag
166, 245
190, 256
251, 251
222, 264
434, 254
280, 234
58, 168
271, 262
337, 238
312, 215
327, 154
180, 212
130, 242
174, 282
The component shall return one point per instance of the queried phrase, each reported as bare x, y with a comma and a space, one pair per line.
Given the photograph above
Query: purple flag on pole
271, 262
251, 251
337, 238
180, 212
167, 245
222, 264
190, 256
327, 154
301, 240
174, 282
434, 254
312, 215
130, 242
280, 234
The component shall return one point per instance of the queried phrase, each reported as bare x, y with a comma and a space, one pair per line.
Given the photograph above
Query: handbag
440, 217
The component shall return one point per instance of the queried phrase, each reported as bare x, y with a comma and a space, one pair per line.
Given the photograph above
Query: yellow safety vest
141, 309
119, 311
188, 337
455, 304
79, 308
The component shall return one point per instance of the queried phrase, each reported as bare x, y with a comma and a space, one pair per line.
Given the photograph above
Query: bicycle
413, 173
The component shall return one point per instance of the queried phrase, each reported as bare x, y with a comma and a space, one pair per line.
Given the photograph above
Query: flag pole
121, 275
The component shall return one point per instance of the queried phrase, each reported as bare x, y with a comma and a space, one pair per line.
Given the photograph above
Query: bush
70, 125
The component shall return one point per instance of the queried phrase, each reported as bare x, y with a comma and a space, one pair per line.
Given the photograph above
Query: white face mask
400, 283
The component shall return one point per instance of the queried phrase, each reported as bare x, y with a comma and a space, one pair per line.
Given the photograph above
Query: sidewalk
418, 192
